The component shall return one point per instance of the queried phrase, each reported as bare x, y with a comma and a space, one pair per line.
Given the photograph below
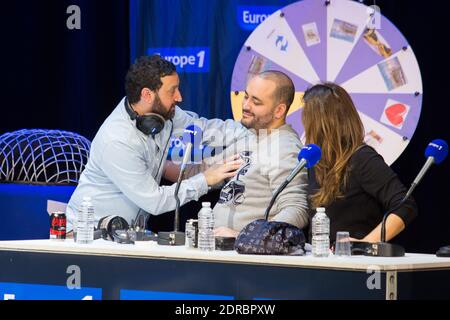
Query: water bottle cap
320, 209
206, 204
87, 198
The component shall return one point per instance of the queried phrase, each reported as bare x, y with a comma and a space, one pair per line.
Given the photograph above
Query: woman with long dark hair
351, 181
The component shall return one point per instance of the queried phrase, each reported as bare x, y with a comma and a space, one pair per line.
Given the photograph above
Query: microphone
436, 152
308, 156
200, 151
175, 237
194, 134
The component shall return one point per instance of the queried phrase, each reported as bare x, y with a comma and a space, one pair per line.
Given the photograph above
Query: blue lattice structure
43, 156
36, 166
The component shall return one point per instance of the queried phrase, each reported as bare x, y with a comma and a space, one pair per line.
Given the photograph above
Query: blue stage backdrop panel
24, 209
203, 38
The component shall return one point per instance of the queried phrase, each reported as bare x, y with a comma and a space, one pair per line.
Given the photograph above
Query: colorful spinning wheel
317, 40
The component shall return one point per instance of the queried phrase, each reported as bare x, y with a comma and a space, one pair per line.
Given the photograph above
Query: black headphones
148, 124
109, 225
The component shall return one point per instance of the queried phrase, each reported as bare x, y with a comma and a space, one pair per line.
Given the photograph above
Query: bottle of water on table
320, 234
206, 240
85, 222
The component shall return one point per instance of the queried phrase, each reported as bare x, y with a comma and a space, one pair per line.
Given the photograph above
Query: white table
122, 271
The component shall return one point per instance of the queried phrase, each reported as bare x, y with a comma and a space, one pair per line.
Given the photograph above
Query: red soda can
58, 226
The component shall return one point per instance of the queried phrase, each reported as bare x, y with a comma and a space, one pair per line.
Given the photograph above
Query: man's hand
219, 172
225, 232
171, 171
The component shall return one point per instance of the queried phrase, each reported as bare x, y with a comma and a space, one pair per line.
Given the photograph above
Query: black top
372, 189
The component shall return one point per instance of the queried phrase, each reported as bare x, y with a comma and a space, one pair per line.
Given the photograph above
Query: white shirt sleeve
132, 175
216, 132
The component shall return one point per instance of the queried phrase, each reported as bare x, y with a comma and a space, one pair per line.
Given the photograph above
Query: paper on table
55, 206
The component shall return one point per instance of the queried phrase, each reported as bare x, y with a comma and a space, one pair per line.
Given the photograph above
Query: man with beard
128, 154
269, 154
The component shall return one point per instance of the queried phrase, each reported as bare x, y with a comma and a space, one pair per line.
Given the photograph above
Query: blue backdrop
219, 26
190, 27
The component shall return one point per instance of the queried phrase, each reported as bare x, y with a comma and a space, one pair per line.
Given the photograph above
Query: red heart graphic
395, 113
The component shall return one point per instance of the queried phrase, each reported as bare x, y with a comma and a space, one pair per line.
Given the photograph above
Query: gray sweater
268, 160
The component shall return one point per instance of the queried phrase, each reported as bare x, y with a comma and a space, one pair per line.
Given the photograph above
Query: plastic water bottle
320, 234
206, 240
85, 222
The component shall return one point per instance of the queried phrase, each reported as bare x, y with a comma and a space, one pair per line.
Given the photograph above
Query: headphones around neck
148, 124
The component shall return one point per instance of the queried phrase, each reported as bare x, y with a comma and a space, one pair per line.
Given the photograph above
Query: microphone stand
383, 248
274, 197
176, 238
436, 152
288, 180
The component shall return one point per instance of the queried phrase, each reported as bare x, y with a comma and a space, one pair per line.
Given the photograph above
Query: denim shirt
125, 166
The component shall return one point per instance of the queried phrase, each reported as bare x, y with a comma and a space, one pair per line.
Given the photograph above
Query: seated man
269, 154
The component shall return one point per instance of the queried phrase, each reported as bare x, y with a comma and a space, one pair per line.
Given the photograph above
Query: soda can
58, 226
191, 232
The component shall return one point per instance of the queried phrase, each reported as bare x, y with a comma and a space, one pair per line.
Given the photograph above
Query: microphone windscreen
193, 134
196, 154
438, 149
311, 153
